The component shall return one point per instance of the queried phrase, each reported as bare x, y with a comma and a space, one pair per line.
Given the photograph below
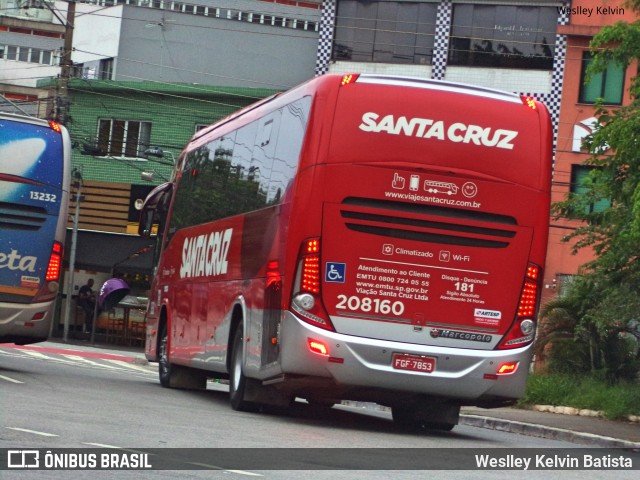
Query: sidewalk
588, 431
582, 430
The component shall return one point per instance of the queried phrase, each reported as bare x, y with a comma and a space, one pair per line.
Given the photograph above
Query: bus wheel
164, 367
237, 380
177, 376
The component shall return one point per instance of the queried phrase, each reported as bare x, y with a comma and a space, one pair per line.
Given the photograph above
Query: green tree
607, 297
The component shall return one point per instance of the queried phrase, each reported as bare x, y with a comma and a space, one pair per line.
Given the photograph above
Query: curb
542, 431
577, 411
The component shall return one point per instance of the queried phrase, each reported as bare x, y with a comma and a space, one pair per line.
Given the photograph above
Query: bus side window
264, 152
293, 126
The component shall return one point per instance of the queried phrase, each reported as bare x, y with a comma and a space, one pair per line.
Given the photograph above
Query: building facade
576, 121
149, 73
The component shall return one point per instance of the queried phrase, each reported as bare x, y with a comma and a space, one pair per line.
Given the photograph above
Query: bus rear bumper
25, 323
357, 364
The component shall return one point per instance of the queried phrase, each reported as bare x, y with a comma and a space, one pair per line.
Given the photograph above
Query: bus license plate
414, 363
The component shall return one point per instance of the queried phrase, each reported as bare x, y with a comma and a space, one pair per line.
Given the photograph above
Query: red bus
363, 238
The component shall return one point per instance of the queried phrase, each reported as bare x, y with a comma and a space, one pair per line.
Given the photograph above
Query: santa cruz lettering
15, 261
205, 255
428, 128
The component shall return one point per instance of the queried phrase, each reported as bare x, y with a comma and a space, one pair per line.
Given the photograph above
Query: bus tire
237, 380
164, 366
177, 376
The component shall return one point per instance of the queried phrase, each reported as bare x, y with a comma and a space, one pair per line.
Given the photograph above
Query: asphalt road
63, 401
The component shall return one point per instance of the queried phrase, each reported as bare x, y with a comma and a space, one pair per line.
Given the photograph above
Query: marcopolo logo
459, 335
429, 128
205, 255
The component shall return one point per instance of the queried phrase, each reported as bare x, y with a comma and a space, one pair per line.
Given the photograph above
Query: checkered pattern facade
444, 17
325, 42
557, 77
553, 99
441, 41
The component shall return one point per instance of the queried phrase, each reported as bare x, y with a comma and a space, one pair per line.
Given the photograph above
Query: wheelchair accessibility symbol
335, 272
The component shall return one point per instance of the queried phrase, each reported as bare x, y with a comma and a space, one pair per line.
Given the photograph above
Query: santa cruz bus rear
398, 261
34, 190
418, 279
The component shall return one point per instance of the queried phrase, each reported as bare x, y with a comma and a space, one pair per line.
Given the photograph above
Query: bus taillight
529, 102
318, 347
350, 78
311, 266
55, 126
523, 329
55, 263
306, 300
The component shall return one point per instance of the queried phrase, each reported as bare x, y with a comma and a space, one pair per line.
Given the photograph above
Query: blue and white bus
35, 172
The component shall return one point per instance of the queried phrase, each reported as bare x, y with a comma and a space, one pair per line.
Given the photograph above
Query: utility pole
62, 101
77, 176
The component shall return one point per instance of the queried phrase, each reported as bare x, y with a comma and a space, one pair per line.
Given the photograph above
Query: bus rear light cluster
55, 263
311, 273
306, 301
523, 330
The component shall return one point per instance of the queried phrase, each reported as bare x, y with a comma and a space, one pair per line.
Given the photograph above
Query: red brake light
306, 300
347, 79
55, 126
55, 263
311, 274
317, 347
507, 368
273, 274
529, 294
529, 102
522, 331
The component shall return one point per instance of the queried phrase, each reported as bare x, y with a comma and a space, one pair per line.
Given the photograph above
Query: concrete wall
165, 46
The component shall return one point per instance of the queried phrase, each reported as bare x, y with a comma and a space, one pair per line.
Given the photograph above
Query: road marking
89, 362
101, 445
130, 366
215, 467
8, 379
104, 445
242, 472
42, 356
44, 434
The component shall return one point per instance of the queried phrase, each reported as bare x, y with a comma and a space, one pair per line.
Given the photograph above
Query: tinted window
246, 170
389, 32
503, 36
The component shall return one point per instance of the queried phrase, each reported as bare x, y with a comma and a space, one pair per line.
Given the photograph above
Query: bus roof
440, 85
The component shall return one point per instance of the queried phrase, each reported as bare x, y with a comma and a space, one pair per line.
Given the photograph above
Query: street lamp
158, 153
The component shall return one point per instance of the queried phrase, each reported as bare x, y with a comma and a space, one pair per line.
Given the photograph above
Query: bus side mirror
146, 223
158, 197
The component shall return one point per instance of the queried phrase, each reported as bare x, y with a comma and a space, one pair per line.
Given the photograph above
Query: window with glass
503, 36
607, 86
106, 69
243, 171
123, 138
581, 180
385, 32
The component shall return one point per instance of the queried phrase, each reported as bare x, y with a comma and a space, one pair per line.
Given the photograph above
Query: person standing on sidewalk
87, 301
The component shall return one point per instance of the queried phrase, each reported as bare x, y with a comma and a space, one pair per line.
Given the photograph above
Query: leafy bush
614, 400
